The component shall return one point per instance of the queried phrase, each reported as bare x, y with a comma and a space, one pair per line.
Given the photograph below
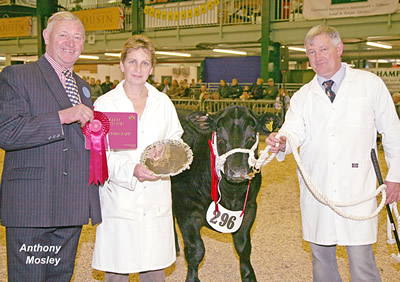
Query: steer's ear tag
269, 126
224, 220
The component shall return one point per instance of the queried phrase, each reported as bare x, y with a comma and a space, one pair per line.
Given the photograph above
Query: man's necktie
71, 88
328, 89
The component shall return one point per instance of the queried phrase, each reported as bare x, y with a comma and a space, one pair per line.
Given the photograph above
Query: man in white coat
334, 119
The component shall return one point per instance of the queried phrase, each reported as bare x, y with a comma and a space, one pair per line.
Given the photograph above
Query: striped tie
328, 89
71, 88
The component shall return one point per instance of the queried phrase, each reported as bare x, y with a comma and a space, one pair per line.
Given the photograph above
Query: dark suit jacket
46, 167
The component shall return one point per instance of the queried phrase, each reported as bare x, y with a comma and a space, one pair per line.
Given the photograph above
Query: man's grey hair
62, 16
332, 33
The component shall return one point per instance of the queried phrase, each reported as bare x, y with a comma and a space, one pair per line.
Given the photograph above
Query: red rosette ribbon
96, 132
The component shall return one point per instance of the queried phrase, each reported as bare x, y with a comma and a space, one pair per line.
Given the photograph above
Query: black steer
235, 127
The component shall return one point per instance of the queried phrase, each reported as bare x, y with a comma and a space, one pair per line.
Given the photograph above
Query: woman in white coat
137, 233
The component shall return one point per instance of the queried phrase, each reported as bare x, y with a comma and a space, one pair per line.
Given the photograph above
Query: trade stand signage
16, 27
323, 9
391, 77
102, 19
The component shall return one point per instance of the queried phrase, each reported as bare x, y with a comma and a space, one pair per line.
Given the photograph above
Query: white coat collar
120, 97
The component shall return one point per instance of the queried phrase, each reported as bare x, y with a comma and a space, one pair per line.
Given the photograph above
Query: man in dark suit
45, 196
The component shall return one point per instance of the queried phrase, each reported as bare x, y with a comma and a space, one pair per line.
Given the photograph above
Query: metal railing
213, 106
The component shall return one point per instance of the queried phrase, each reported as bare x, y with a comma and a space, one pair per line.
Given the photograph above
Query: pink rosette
96, 131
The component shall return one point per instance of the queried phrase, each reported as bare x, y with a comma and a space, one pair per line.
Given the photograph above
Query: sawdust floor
278, 254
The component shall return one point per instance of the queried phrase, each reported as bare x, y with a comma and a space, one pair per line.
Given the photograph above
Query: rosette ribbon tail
98, 161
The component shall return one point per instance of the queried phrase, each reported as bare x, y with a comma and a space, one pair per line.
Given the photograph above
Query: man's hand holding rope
272, 141
392, 192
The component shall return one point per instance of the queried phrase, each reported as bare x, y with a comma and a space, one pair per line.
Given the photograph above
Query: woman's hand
142, 173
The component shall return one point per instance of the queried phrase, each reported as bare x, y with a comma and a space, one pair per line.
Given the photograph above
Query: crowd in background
98, 88
199, 90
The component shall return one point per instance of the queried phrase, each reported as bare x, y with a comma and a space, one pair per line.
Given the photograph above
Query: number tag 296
225, 221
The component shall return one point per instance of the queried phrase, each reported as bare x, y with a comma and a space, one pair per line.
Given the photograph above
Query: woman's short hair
136, 42
63, 16
332, 33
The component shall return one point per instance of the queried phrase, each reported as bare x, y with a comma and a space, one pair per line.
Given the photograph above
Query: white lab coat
335, 141
137, 229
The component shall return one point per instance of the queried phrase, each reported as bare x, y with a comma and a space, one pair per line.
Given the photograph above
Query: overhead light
112, 54
173, 54
297, 49
380, 45
230, 52
2, 58
89, 57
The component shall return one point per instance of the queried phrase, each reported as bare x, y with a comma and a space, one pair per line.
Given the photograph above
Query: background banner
322, 9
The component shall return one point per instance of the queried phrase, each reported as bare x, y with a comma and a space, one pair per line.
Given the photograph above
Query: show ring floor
278, 253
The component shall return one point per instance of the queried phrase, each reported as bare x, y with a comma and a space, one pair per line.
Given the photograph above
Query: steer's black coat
236, 127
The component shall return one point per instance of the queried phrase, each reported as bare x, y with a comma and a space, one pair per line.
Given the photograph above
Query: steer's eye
251, 140
221, 141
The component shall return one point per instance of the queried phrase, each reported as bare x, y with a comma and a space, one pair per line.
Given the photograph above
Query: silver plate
167, 157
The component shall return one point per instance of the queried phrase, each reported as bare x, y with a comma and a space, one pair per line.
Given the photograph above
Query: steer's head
235, 127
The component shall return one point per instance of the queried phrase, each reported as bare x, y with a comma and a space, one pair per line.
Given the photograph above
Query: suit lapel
54, 83
57, 89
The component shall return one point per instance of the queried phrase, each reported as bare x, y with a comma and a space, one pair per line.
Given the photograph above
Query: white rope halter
220, 160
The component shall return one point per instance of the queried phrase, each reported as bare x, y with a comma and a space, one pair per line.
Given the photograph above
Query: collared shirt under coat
335, 141
137, 231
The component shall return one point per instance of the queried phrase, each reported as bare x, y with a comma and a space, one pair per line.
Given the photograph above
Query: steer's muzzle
237, 174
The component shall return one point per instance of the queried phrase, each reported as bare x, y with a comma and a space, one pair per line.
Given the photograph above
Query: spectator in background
174, 89
396, 100
223, 89
95, 89
165, 86
204, 93
115, 83
271, 90
106, 85
85, 78
257, 90
98, 82
246, 94
236, 90
184, 91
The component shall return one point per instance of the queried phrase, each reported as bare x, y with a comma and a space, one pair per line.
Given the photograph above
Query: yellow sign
146, 10
203, 8
164, 15
157, 14
216, 2
15, 27
151, 13
189, 14
176, 16
170, 16
183, 15
100, 19
196, 11
210, 5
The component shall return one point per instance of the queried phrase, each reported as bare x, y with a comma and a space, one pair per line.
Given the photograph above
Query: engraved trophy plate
167, 157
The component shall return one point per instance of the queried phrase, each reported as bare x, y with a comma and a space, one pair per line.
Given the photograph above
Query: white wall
102, 70
177, 71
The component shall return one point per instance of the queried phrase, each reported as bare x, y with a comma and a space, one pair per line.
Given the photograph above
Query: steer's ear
268, 122
201, 121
